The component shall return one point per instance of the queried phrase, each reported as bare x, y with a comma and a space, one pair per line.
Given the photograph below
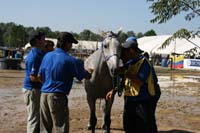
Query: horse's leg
107, 112
93, 118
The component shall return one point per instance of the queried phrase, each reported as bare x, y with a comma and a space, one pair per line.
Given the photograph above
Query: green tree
46, 30
130, 33
15, 35
85, 34
19, 36
95, 37
122, 37
165, 10
75, 35
150, 33
1, 37
2, 31
7, 35
139, 35
29, 31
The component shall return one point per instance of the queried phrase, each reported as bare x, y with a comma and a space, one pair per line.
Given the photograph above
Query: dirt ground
178, 109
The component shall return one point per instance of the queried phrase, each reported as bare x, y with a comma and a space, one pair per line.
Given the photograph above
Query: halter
107, 58
115, 80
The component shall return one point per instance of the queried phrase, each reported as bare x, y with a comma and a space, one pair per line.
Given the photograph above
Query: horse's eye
105, 46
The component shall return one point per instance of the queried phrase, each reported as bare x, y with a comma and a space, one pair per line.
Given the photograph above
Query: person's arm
80, 72
109, 95
34, 70
41, 72
90, 70
40, 78
34, 78
143, 73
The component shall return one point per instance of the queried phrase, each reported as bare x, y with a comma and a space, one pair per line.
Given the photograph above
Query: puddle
181, 93
178, 92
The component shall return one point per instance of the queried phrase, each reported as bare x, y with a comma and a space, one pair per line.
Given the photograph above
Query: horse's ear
102, 33
119, 31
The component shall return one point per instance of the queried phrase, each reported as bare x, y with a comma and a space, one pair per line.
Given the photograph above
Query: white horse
104, 63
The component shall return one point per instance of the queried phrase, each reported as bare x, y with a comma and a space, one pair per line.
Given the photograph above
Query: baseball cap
36, 35
67, 37
130, 42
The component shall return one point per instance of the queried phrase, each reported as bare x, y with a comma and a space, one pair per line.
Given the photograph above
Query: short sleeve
144, 70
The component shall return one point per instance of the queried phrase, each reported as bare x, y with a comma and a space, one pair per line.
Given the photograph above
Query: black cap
67, 37
36, 35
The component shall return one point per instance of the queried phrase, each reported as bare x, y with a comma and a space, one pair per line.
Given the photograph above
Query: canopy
151, 44
82, 45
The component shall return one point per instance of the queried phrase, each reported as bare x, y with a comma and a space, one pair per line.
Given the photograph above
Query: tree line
16, 35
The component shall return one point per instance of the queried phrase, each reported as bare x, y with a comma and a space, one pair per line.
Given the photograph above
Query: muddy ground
178, 109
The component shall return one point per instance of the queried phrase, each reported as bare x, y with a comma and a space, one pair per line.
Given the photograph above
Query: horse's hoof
105, 131
103, 127
89, 127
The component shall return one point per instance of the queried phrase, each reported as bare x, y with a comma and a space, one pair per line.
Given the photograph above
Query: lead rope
117, 81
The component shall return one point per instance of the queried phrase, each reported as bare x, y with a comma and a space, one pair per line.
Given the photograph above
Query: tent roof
89, 45
151, 44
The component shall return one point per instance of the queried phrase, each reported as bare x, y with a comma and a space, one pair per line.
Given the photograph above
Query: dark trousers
154, 128
139, 116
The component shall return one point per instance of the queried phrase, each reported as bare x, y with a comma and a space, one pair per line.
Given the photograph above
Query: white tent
88, 45
152, 44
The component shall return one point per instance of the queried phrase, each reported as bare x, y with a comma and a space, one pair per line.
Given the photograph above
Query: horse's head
111, 49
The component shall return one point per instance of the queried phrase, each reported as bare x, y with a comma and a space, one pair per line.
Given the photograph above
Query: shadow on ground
175, 131
170, 131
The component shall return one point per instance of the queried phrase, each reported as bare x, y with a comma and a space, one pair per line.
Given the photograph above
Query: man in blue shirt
32, 86
56, 72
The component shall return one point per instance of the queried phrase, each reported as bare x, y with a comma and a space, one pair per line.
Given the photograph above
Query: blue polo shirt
58, 70
32, 63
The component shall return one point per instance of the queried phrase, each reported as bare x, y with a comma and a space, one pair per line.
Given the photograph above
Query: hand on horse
88, 75
109, 95
90, 70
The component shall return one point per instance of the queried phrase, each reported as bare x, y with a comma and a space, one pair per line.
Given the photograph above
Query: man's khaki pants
32, 101
54, 111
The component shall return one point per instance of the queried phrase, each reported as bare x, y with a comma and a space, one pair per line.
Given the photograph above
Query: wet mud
178, 109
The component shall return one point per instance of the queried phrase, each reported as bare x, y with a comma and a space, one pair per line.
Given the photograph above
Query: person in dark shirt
140, 93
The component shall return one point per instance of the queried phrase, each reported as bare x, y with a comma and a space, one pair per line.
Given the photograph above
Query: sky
95, 15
